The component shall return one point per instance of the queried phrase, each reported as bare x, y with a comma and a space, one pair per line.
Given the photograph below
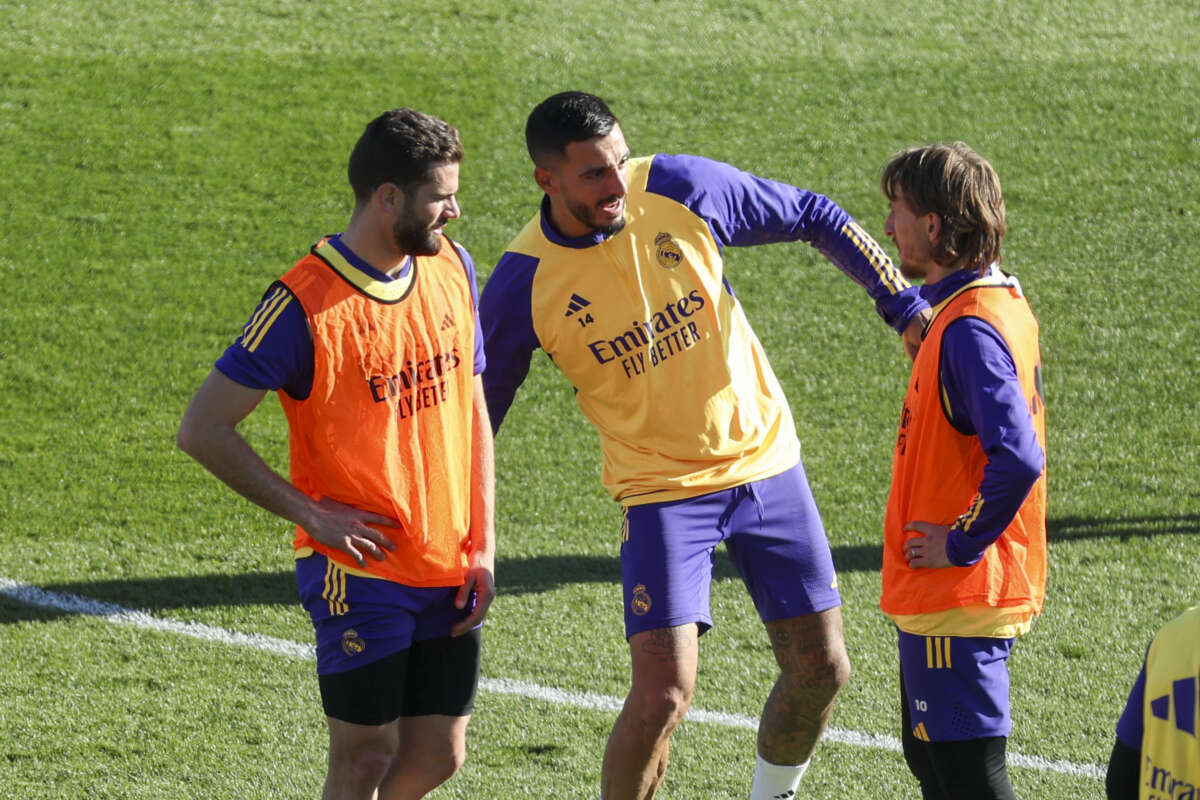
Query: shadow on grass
1066, 529
516, 576
102, 598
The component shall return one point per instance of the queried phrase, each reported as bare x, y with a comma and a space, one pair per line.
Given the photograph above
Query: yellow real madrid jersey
646, 328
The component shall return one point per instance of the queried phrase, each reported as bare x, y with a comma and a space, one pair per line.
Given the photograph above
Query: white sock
775, 781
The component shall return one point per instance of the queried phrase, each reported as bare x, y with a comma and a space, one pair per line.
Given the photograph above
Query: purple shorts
956, 687
774, 537
359, 620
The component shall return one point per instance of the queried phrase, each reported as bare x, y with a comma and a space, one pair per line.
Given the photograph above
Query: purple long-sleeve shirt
985, 398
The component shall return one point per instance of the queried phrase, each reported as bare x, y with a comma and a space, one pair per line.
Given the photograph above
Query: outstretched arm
208, 433
743, 209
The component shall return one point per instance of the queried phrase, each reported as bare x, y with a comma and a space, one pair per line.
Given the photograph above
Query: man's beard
911, 272
586, 215
416, 239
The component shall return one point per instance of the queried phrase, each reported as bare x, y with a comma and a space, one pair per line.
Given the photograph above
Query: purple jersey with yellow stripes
275, 350
645, 326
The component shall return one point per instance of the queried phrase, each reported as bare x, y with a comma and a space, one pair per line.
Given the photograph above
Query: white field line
75, 604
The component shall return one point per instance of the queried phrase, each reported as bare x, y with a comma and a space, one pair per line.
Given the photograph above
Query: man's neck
936, 272
566, 223
373, 246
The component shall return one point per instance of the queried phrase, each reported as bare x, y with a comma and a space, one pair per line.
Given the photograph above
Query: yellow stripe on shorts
335, 588
937, 652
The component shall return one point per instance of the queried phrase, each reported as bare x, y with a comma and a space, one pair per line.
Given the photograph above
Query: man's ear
933, 226
387, 196
544, 178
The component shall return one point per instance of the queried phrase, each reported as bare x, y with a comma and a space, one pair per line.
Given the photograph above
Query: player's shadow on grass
520, 575
542, 573
149, 594
866, 558
1066, 529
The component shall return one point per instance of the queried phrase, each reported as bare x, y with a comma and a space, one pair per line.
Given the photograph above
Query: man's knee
668, 704
432, 749
441, 767
360, 755
835, 667
361, 766
811, 653
664, 676
819, 678
821, 670
661, 707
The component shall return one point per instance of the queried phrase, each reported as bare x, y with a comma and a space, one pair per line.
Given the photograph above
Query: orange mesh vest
387, 425
936, 471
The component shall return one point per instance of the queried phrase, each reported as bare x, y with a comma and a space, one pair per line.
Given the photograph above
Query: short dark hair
961, 187
401, 146
564, 118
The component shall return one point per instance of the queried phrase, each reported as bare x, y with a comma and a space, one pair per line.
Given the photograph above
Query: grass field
162, 162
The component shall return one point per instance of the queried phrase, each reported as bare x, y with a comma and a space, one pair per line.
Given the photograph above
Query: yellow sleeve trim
968, 519
883, 265
260, 323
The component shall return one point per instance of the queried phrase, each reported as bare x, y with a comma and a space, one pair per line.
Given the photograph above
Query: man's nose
618, 184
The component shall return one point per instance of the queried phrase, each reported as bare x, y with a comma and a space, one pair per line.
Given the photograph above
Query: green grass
163, 162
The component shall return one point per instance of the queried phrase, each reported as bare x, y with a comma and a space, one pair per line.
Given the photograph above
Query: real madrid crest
640, 604
351, 643
667, 252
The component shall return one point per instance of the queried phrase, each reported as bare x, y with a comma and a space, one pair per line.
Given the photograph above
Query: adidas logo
447, 321
783, 795
1184, 692
577, 304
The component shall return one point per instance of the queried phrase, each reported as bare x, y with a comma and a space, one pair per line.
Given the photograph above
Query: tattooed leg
813, 668
664, 675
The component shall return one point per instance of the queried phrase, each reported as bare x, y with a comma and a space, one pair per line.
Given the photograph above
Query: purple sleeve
1129, 726
743, 209
509, 338
275, 350
986, 400
469, 264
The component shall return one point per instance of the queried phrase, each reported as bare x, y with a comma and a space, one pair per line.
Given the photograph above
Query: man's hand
928, 549
481, 583
915, 332
345, 528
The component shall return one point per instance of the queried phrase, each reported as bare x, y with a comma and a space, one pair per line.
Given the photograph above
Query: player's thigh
443, 676
666, 562
368, 696
778, 544
366, 629
664, 663
957, 687
348, 740
434, 740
